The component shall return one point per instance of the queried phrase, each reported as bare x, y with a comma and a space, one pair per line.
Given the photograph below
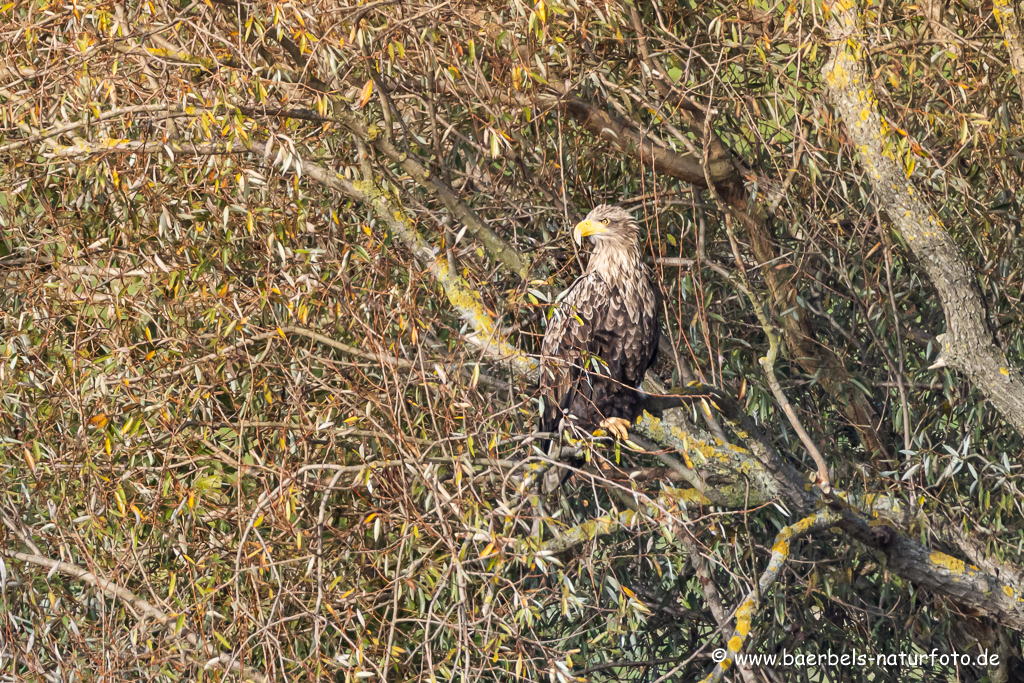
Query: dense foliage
233, 387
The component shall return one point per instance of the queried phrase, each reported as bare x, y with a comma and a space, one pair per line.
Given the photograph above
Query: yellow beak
587, 227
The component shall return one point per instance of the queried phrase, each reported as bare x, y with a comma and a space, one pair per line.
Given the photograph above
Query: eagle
603, 335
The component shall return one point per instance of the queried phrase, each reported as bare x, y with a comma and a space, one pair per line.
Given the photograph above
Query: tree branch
968, 344
629, 140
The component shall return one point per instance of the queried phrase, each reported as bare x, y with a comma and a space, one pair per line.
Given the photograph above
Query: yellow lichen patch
743, 618
1004, 371
737, 449
803, 526
951, 563
691, 496
1008, 591
711, 453
735, 643
664, 432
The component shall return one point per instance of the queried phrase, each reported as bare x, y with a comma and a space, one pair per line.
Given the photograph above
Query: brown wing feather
571, 335
595, 320
627, 341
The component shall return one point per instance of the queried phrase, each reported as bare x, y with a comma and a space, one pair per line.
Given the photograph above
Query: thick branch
628, 139
997, 597
967, 345
461, 295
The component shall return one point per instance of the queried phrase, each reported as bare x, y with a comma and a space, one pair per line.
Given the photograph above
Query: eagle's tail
553, 414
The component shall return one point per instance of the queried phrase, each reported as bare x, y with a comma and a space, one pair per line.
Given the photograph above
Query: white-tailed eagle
603, 334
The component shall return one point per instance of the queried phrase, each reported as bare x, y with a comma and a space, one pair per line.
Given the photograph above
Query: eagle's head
616, 239
608, 226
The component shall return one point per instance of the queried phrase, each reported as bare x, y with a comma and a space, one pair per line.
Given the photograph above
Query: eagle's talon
617, 426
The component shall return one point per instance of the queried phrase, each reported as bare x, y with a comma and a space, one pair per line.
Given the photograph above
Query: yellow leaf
364, 98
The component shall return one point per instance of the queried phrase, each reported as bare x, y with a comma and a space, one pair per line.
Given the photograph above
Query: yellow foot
616, 426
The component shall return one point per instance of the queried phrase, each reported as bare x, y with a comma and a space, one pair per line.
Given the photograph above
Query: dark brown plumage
603, 335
